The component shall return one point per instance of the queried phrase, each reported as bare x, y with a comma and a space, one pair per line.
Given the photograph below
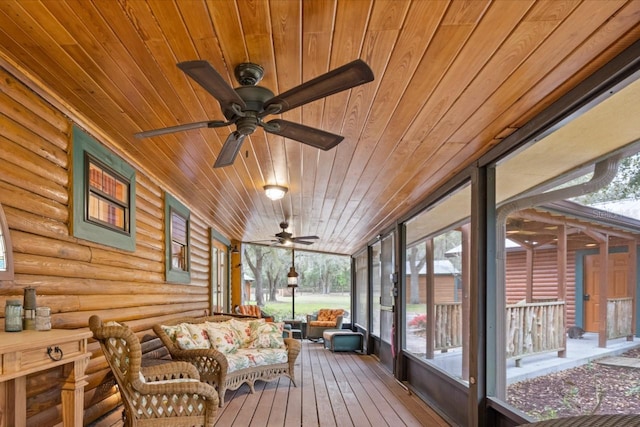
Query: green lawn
306, 304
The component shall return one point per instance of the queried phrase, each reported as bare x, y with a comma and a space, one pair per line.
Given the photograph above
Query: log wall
77, 278
545, 279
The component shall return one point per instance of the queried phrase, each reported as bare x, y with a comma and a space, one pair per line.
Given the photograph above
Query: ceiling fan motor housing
248, 73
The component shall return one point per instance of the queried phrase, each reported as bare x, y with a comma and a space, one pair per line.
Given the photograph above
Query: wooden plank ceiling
452, 78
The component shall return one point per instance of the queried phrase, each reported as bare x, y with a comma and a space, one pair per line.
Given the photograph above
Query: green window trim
85, 148
173, 206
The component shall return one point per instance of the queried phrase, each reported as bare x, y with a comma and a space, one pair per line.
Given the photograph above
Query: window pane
103, 211
178, 242
376, 289
108, 198
437, 253
178, 228
362, 290
566, 264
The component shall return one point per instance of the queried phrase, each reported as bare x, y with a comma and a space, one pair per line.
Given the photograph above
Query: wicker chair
165, 395
324, 319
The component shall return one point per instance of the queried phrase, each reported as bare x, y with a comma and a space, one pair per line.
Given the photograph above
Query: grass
306, 303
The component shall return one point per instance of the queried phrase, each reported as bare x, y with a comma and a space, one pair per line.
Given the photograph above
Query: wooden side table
26, 352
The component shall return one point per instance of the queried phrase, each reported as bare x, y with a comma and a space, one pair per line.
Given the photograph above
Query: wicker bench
342, 340
228, 368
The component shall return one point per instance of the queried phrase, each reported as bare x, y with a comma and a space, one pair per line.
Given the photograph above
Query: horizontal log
81, 319
25, 96
22, 157
152, 222
39, 245
98, 409
30, 223
35, 264
145, 205
35, 143
21, 199
54, 285
150, 186
130, 261
22, 115
22, 176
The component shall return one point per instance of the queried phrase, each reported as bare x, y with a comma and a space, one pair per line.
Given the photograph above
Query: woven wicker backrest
122, 350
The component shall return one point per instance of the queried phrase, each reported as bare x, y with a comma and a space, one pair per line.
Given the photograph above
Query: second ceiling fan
247, 105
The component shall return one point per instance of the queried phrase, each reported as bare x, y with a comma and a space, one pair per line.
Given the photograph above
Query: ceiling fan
285, 238
247, 105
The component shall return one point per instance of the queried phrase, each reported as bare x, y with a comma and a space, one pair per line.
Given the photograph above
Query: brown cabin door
617, 281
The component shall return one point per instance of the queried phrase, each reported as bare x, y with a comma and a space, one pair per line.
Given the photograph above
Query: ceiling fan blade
307, 135
229, 149
350, 75
179, 128
207, 77
305, 237
303, 242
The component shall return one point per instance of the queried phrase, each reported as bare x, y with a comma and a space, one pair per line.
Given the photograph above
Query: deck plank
333, 389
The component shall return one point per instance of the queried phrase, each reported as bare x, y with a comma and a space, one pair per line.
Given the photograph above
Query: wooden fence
534, 328
448, 333
619, 317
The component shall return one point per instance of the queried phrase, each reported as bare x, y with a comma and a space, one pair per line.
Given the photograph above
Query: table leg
13, 396
73, 393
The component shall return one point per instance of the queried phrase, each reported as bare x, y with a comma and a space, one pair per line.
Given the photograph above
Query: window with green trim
176, 241
103, 194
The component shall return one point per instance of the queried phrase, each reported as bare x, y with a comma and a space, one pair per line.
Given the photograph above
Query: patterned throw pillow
223, 337
268, 335
246, 329
199, 335
184, 338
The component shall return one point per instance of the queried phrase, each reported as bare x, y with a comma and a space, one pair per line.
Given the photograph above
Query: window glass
362, 290
176, 240
179, 241
376, 288
436, 325
6, 251
108, 197
567, 216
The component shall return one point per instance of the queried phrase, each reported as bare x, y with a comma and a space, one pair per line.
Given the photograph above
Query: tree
624, 186
256, 269
417, 260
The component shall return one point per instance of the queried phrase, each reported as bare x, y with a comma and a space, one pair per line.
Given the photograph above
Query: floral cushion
199, 335
267, 335
184, 338
249, 358
246, 329
223, 337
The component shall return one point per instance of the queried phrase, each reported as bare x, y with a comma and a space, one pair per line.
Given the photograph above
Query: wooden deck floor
334, 389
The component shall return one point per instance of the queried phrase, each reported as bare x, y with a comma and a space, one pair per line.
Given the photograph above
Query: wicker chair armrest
170, 371
311, 317
293, 347
176, 387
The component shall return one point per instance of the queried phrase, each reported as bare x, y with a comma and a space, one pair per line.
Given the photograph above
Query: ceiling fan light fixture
275, 192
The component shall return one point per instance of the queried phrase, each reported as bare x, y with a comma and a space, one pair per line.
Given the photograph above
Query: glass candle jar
43, 318
13, 316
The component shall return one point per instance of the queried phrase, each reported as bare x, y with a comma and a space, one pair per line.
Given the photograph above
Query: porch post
466, 274
562, 281
529, 273
632, 280
431, 316
604, 275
